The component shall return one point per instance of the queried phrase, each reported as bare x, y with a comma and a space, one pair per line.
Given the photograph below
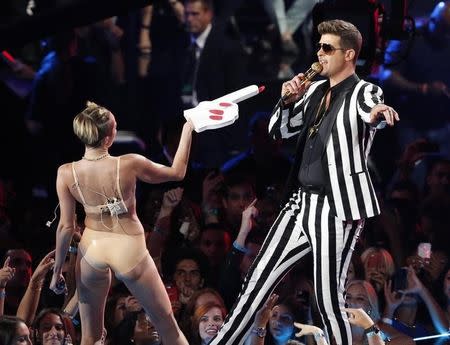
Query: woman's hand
212, 183
392, 298
262, 316
172, 198
248, 217
6, 273
414, 283
358, 317
58, 284
41, 270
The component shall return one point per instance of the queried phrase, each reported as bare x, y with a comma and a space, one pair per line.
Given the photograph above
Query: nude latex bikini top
115, 203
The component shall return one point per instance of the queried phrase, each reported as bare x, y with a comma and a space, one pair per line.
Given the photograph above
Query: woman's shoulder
65, 168
130, 157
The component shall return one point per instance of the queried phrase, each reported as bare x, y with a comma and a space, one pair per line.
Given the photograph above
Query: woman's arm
437, 314
66, 226
262, 317
30, 300
163, 223
152, 172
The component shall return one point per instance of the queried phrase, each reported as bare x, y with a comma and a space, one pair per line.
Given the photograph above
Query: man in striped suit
331, 193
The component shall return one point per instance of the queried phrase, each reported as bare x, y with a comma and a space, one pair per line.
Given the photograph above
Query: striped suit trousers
305, 224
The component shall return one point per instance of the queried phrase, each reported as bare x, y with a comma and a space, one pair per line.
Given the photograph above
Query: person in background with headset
113, 239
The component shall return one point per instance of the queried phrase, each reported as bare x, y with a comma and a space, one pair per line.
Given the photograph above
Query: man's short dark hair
350, 36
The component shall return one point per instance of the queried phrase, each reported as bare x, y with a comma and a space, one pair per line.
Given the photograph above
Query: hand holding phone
400, 280
424, 250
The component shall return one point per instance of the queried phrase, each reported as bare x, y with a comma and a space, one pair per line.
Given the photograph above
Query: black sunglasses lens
325, 47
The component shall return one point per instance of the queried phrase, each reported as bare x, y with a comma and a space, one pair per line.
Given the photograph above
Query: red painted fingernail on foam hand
217, 114
261, 88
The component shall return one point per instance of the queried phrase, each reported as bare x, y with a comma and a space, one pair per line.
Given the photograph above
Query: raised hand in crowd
358, 317
433, 265
415, 286
262, 317
211, 196
318, 334
6, 273
29, 303
414, 152
393, 299
247, 223
170, 200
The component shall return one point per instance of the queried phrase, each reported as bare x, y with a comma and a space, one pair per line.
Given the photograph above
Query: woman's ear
107, 141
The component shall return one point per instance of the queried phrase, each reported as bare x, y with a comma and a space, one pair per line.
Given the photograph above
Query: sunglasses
327, 48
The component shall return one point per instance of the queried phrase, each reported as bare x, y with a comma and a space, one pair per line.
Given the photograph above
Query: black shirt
311, 171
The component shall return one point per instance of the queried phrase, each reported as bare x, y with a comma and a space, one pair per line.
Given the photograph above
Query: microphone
315, 69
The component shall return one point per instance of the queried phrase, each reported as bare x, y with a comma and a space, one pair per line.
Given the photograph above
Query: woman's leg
92, 287
145, 284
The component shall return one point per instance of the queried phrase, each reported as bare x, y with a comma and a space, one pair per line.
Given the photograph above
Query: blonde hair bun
90, 104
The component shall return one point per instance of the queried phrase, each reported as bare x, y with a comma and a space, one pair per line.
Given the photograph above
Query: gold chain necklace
321, 111
96, 158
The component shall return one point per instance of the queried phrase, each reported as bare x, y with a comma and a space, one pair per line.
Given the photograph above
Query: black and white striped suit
327, 224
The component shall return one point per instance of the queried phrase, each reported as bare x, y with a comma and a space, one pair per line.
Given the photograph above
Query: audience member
288, 20
154, 19
14, 331
215, 243
206, 320
6, 274
403, 308
136, 328
119, 304
243, 252
417, 88
238, 193
360, 294
212, 195
432, 231
199, 298
378, 265
63, 84
30, 301
356, 268
214, 65
21, 262
438, 177
52, 327
274, 322
187, 269
175, 226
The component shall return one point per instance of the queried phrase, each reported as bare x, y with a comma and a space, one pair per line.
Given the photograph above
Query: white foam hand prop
220, 112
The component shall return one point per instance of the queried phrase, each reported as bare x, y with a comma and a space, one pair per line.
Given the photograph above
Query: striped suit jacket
348, 141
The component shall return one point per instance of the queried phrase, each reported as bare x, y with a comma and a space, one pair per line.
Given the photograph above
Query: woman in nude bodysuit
113, 239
